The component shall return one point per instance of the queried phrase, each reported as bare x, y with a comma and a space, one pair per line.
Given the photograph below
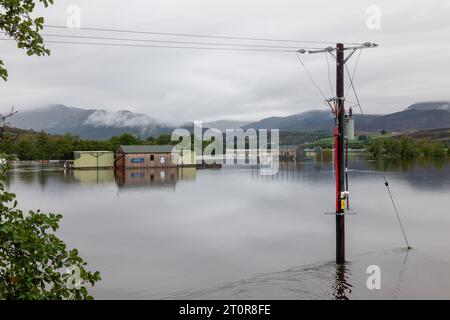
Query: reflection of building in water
187, 173
153, 176
93, 176
289, 152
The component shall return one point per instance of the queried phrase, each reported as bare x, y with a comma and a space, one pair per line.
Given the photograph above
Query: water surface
232, 234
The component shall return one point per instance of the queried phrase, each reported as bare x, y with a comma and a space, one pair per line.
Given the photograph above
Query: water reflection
93, 176
146, 177
149, 177
327, 281
234, 234
434, 174
387, 164
153, 177
342, 288
294, 171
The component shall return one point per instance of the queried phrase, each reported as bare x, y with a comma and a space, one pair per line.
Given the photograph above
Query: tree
114, 143
164, 139
409, 150
64, 147
375, 147
26, 147
128, 139
151, 140
43, 146
17, 23
34, 262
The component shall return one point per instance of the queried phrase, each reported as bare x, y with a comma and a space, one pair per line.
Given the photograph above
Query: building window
152, 157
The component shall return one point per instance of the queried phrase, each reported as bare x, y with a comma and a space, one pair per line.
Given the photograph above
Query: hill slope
100, 124
419, 116
88, 124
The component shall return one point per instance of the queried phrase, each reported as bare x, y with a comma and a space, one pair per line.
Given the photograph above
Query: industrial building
93, 160
144, 156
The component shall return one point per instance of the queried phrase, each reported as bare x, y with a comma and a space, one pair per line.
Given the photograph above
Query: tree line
43, 146
29, 145
407, 148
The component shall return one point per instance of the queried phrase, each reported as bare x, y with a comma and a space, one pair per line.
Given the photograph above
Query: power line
312, 80
329, 74
174, 42
161, 46
351, 82
352, 77
195, 35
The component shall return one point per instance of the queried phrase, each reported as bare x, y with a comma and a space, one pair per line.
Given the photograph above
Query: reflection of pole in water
400, 276
289, 171
341, 288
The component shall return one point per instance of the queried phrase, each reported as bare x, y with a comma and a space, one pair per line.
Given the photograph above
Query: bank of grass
328, 143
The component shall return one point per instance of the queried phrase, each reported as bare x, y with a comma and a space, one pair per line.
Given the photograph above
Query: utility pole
340, 161
339, 155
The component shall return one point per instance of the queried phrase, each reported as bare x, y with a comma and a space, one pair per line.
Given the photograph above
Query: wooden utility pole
339, 155
340, 160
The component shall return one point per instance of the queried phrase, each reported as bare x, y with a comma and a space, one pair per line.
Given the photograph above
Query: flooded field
231, 233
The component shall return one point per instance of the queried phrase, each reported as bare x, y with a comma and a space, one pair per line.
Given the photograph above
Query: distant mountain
410, 119
51, 118
88, 124
306, 121
419, 116
101, 124
225, 124
435, 105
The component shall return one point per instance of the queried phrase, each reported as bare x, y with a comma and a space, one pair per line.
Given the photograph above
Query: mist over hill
89, 124
101, 124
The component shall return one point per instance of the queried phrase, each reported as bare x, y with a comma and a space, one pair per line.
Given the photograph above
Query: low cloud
127, 119
120, 119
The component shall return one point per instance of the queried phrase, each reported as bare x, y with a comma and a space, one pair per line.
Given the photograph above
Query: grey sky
412, 63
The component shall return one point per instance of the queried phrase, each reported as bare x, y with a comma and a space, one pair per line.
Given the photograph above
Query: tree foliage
42, 146
406, 148
16, 22
34, 262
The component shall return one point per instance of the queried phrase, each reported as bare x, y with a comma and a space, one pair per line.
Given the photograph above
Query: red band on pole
336, 165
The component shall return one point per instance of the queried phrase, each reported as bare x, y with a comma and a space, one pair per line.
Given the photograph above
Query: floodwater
231, 233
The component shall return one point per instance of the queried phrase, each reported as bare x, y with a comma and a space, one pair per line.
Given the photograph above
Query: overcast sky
412, 63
